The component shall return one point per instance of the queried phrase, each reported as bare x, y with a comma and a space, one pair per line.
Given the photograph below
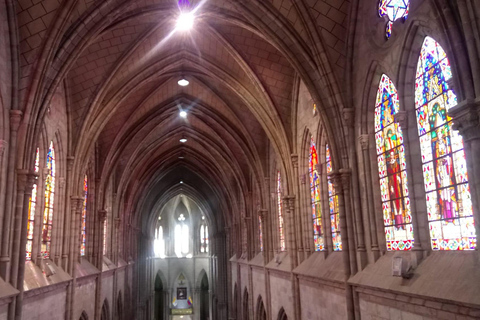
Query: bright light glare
183, 140
183, 82
183, 114
185, 21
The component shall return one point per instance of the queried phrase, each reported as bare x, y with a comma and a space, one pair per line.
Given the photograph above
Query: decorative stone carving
349, 116
15, 119
466, 117
363, 139
102, 216
401, 118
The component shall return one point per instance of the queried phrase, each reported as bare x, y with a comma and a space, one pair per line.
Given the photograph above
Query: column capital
15, 118
262, 213
102, 215
364, 140
70, 160
466, 118
294, 160
349, 116
402, 119
289, 201
345, 175
31, 177
22, 175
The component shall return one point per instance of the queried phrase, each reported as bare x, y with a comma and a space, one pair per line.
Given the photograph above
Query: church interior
239, 159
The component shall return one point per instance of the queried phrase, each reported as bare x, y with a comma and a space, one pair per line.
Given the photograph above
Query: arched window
333, 205
315, 198
203, 236
392, 169
260, 232
281, 229
105, 231
84, 217
49, 202
449, 203
31, 211
181, 237
159, 244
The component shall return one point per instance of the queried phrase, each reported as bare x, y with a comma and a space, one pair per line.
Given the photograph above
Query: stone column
102, 217
39, 213
370, 220
3, 180
338, 180
15, 118
61, 216
466, 117
196, 304
67, 220
298, 226
23, 241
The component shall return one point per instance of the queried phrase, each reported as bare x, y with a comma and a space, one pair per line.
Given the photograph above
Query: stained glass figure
449, 202
260, 232
31, 211
333, 205
318, 237
393, 10
84, 217
392, 167
281, 229
49, 202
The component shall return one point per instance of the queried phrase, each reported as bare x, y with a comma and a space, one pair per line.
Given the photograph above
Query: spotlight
185, 21
183, 82
183, 114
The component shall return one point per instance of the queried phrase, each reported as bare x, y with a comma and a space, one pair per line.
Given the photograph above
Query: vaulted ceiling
120, 61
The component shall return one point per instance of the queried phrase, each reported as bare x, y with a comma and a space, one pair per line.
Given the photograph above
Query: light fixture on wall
183, 139
183, 82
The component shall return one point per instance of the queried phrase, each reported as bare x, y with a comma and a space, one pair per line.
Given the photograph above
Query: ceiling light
183, 82
185, 21
181, 182
181, 157
183, 140
183, 114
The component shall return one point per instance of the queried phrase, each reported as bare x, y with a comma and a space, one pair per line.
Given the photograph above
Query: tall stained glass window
392, 167
315, 198
49, 202
31, 212
281, 227
449, 203
159, 243
84, 217
333, 205
105, 231
260, 232
393, 10
203, 237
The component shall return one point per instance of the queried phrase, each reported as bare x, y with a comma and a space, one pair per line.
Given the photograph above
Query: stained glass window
393, 10
84, 216
31, 211
49, 202
397, 216
181, 237
333, 205
449, 202
315, 198
159, 243
105, 231
203, 237
281, 229
260, 232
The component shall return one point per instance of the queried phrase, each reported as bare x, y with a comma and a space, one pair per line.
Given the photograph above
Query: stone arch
83, 316
260, 313
105, 315
282, 315
235, 301
119, 311
245, 305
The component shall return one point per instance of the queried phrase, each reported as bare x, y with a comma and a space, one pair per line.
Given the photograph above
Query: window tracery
49, 203
281, 229
31, 210
315, 198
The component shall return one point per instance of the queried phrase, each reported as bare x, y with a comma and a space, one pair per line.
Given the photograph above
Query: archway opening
204, 299
159, 305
